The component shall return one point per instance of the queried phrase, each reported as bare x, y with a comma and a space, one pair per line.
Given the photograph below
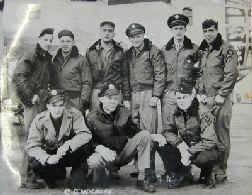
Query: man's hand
202, 99
159, 138
53, 159
35, 99
108, 154
126, 103
63, 149
153, 101
185, 155
219, 100
95, 161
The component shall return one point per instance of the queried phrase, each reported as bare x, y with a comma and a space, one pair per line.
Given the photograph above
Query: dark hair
210, 22
112, 24
187, 8
46, 31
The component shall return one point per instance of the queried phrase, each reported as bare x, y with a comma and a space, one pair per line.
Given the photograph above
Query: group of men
96, 113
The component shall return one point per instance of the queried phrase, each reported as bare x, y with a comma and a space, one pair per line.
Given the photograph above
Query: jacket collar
41, 53
192, 111
66, 122
147, 45
187, 43
216, 44
105, 117
74, 53
97, 45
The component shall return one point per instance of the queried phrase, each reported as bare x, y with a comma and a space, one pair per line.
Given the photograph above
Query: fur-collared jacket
195, 127
105, 72
179, 63
72, 74
218, 64
31, 75
144, 70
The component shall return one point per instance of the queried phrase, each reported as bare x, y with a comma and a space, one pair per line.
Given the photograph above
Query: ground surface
239, 171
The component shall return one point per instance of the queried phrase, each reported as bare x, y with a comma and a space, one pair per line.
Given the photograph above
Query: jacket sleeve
159, 72
230, 71
208, 136
21, 80
82, 135
86, 81
171, 133
125, 74
34, 142
116, 143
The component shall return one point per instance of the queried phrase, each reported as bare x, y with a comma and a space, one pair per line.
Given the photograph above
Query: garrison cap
177, 19
65, 32
109, 90
46, 31
134, 29
112, 24
55, 95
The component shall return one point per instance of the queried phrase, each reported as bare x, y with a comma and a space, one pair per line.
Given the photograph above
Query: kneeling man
189, 139
118, 140
59, 138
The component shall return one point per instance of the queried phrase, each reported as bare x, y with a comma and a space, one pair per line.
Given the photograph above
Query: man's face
56, 109
66, 43
210, 34
184, 101
45, 41
107, 33
137, 40
110, 103
178, 32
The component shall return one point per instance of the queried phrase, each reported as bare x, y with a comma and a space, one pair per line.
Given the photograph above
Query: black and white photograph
125, 97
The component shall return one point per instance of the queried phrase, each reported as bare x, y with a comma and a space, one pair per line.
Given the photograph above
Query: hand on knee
95, 161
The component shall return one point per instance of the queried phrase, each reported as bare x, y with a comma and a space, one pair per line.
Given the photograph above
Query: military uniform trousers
171, 158
138, 145
169, 106
94, 99
29, 115
142, 113
222, 128
76, 160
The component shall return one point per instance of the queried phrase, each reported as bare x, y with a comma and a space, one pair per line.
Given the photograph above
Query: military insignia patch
230, 52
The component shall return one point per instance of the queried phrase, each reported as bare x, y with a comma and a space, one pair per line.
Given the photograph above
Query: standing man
179, 57
31, 78
144, 78
117, 139
219, 73
105, 58
72, 72
59, 138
